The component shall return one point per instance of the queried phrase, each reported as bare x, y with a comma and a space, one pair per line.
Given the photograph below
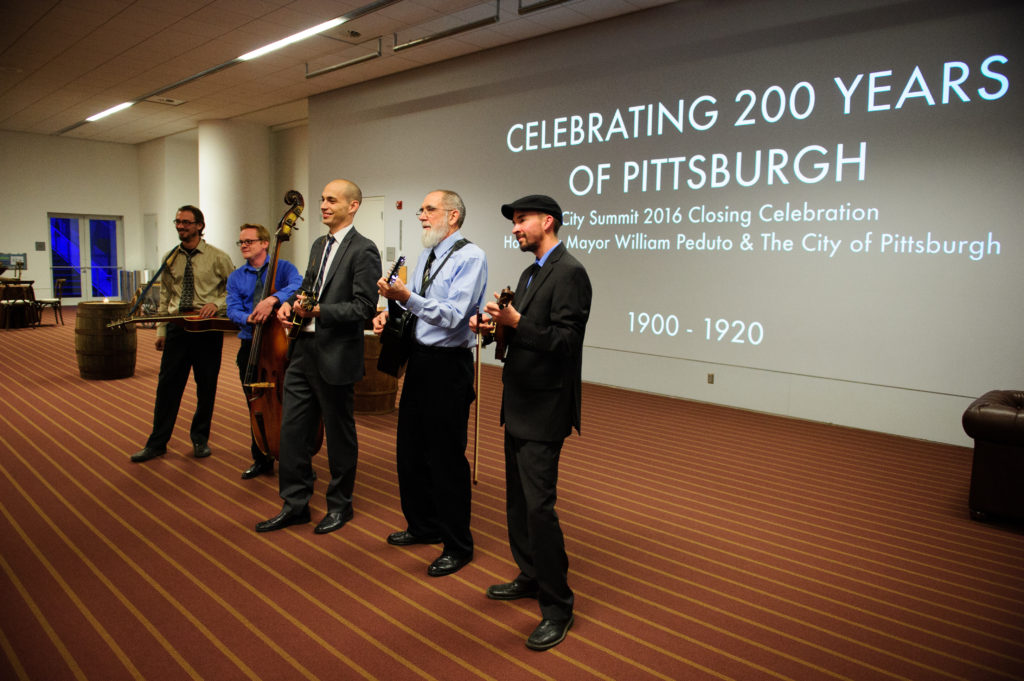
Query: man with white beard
446, 289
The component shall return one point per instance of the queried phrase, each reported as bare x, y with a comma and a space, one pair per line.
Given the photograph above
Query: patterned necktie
426, 272
188, 285
323, 268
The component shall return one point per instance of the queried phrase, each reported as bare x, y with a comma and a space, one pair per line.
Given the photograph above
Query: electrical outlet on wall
711, 378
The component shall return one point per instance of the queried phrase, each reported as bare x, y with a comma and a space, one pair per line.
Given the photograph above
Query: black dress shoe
447, 564
262, 467
548, 634
511, 591
406, 538
147, 453
283, 520
201, 450
334, 520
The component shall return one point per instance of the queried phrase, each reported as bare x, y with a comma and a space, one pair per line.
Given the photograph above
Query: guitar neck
189, 322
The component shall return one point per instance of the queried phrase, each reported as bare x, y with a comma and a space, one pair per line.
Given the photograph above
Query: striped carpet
705, 543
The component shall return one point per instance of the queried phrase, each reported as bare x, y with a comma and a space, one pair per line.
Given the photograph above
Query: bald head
339, 203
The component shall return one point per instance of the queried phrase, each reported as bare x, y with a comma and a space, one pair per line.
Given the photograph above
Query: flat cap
533, 202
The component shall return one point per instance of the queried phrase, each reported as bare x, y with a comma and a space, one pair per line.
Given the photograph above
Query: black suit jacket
544, 354
347, 299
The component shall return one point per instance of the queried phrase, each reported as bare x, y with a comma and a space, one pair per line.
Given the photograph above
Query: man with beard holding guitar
540, 404
193, 282
447, 288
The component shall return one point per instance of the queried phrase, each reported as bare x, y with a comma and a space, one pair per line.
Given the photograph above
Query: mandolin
188, 322
396, 337
307, 303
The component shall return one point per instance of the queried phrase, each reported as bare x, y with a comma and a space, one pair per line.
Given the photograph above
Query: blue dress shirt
455, 295
242, 285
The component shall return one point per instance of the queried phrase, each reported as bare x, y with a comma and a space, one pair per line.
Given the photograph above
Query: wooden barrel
104, 353
375, 393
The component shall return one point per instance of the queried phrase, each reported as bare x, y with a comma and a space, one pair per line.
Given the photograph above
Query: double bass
268, 358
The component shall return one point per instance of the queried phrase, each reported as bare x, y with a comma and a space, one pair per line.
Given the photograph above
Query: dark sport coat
543, 365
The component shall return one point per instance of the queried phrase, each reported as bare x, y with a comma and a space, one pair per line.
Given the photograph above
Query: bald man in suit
326, 362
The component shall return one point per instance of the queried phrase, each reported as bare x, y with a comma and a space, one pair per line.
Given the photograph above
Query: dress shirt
338, 237
211, 268
243, 282
455, 295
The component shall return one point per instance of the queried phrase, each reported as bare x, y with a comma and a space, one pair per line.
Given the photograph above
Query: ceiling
62, 61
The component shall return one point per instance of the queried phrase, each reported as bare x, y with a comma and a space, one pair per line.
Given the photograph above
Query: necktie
426, 272
257, 291
534, 269
188, 285
323, 267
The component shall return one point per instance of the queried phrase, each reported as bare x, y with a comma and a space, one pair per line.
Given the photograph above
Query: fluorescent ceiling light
302, 35
111, 110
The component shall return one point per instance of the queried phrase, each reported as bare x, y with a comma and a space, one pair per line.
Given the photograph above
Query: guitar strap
409, 318
399, 332
458, 244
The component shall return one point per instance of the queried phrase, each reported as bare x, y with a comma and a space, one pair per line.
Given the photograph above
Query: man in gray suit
326, 362
543, 330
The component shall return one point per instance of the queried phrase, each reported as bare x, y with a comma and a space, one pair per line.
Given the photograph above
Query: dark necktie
323, 268
426, 272
534, 269
257, 290
188, 284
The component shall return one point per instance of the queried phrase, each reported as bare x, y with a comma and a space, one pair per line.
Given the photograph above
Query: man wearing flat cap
544, 328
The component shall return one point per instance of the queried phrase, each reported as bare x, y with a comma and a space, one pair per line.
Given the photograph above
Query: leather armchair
996, 422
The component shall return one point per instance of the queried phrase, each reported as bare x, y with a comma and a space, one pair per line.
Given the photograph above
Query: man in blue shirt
447, 287
247, 307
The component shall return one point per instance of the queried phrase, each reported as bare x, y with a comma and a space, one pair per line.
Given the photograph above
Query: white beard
433, 236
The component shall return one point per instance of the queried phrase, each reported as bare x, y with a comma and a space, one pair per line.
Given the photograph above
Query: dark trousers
434, 478
198, 352
535, 536
307, 400
242, 360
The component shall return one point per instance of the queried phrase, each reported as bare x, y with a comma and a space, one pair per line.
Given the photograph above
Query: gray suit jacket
347, 299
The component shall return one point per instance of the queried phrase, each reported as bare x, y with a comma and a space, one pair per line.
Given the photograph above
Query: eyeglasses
430, 210
247, 242
184, 223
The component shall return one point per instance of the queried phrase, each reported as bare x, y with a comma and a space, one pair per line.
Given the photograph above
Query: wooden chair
16, 308
55, 303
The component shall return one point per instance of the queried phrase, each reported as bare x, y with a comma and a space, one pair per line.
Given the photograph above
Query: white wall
445, 125
41, 174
